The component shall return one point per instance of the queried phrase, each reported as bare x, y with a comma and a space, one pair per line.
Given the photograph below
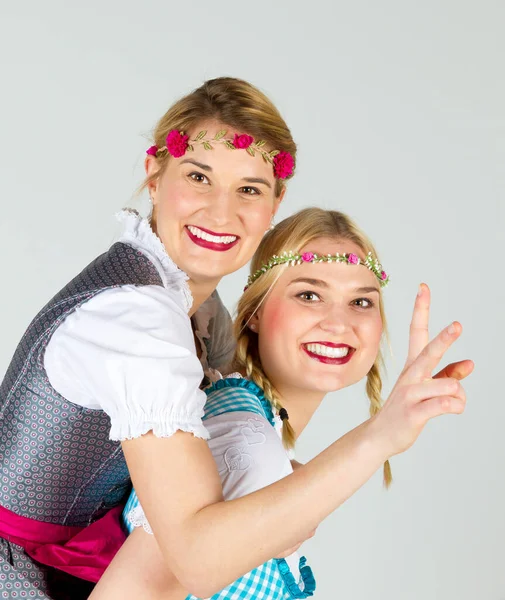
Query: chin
325, 385
202, 270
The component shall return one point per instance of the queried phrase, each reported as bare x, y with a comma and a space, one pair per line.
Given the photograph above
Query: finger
433, 353
434, 388
441, 405
419, 335
458, 370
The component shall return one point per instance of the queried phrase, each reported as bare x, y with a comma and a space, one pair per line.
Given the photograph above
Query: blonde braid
250, 363
373, 391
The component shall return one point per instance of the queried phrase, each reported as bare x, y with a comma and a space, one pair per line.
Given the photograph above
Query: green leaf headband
295, 258
177, 144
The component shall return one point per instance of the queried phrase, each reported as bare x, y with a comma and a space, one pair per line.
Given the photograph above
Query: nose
221, 208
335, 321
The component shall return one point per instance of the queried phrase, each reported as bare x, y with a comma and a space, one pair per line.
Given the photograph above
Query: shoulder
237, 395
128, 313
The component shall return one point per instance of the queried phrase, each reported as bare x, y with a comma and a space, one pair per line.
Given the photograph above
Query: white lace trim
138, 233
137, 518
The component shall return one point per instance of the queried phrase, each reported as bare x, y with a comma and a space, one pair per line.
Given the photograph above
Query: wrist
378, 437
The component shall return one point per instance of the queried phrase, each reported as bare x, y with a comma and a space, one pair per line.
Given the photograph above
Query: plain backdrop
399, 112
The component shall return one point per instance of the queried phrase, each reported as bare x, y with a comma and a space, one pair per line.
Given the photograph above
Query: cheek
371, 334
283, 325
273, 326
176, 199
270, 319
257, 218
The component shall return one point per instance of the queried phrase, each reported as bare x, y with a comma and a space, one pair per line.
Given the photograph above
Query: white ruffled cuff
121, 430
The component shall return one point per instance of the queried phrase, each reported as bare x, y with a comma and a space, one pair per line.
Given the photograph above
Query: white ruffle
128, 431
138, 233
137, 518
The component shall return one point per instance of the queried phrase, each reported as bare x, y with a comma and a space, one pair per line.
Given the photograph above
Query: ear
151, 167
254, 322
278, 201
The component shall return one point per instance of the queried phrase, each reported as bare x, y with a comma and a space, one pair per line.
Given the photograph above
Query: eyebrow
323, 284
207, 168
318, 282
257, 180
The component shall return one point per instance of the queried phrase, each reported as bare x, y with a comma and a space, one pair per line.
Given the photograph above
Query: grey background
398, 110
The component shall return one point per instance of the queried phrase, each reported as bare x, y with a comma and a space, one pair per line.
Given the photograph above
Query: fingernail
420, 290
451, 329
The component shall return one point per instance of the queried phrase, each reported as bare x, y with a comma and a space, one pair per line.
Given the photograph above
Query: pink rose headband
295, 258
177, 144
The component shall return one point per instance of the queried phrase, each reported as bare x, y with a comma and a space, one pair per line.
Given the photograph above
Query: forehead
332, 246
332, 274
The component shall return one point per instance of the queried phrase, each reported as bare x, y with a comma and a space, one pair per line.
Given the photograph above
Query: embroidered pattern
60, 466
236, 459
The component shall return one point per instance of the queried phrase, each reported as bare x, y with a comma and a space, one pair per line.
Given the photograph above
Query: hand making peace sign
418, 396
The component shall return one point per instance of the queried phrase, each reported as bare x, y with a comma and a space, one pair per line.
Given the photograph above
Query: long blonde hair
233, 102
295, 233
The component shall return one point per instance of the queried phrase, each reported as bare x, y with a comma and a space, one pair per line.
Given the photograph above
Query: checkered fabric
263, 583
237, 395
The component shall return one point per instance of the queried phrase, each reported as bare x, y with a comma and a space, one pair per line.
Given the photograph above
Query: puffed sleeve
130, 352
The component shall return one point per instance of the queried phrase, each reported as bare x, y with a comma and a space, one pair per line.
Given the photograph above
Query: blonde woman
310, 321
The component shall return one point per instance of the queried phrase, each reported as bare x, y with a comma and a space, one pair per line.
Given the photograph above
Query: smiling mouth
211, 240
329, 353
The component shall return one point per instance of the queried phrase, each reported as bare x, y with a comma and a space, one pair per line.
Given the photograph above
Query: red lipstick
218, 246
327, 359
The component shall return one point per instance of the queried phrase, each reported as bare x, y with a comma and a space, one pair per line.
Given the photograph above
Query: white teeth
328, 350
216, 239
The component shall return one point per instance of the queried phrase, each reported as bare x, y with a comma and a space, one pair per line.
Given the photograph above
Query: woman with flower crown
105, 383
310, 321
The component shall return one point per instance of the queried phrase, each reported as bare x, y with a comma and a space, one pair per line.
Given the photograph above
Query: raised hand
418, 396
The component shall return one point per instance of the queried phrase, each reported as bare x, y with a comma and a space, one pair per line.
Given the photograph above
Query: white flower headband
295, 258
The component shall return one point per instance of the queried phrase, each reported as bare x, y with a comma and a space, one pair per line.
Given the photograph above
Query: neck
300, 404
200, 292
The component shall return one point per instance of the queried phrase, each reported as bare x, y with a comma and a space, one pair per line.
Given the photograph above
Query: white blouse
130, 350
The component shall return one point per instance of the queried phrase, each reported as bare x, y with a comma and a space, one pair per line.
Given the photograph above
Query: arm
138, 571
203, 522
208, 542
249, 455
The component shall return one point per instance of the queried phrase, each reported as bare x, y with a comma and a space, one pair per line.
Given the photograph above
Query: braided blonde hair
295, 233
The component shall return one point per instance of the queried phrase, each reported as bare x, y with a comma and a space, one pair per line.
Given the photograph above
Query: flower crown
295, 258
177, 144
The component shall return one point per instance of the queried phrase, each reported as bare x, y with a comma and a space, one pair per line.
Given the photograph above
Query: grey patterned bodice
57, 463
